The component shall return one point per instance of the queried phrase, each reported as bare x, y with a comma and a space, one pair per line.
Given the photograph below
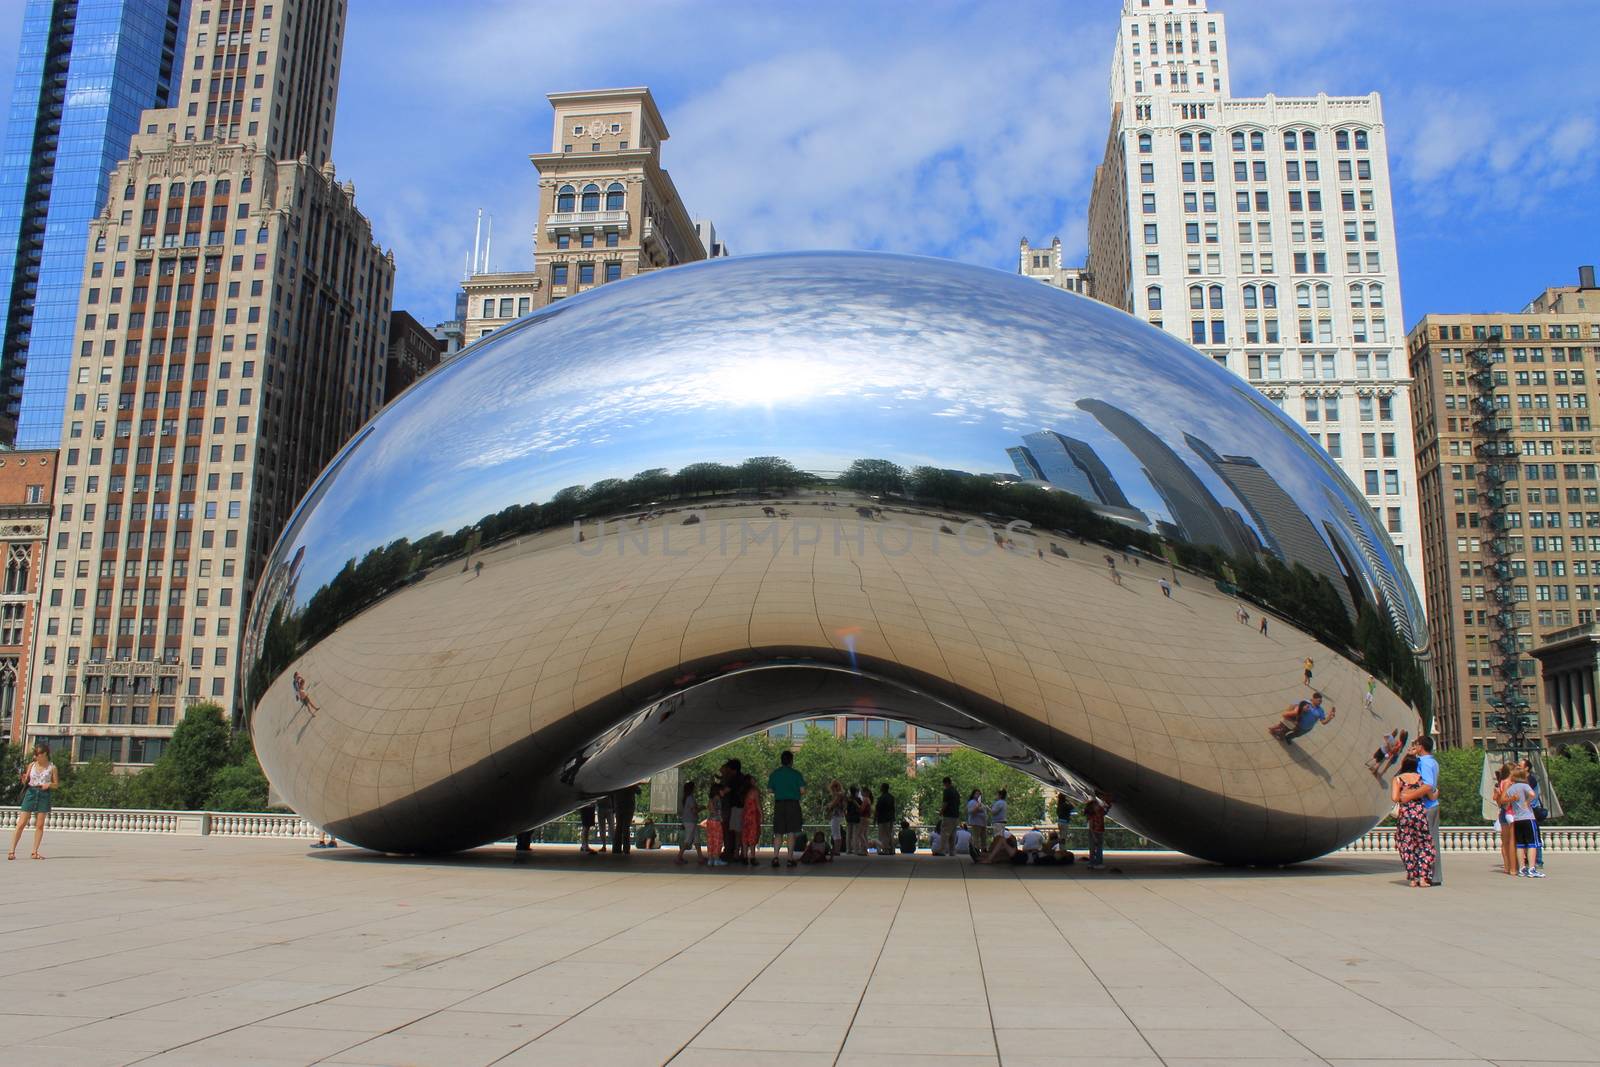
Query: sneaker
1522, 872
1535, 873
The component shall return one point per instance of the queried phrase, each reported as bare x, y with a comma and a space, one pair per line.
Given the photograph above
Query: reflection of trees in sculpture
1308, 600
878, 476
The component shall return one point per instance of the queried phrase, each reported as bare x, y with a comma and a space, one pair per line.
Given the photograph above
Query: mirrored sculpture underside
680, 509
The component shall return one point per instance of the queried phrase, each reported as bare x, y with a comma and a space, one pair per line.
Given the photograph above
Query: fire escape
1498, 463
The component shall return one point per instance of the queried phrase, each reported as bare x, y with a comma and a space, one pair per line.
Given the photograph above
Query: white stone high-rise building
1261, 231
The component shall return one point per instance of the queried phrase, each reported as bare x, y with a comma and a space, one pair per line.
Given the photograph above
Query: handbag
1540, 813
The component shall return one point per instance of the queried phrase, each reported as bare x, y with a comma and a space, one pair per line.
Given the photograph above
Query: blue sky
954, 129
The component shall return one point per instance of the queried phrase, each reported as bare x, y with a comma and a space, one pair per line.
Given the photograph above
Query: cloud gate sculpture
678, 509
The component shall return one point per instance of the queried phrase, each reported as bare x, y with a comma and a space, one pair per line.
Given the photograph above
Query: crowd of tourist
723, 824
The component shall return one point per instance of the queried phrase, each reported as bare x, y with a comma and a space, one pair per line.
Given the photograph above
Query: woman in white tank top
39, 779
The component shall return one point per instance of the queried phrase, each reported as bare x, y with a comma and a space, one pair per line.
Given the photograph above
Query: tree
865, 761
94, 784
13, 758
1460, 776
155, 788
1576, 780
878, 476
238, 787
970, 769
200, 746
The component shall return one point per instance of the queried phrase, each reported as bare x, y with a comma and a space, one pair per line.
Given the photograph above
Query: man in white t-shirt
1033, 844
963, 843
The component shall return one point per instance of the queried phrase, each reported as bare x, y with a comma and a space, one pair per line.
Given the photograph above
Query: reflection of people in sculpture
1166, 587
1299, 719
1243, 616
1371, 695
303, 696
1308, 665
1390, 749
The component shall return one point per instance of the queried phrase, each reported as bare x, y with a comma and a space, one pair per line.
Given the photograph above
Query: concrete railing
180, 823
280, 825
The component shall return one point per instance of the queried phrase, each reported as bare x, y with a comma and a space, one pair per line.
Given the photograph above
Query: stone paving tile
355, 959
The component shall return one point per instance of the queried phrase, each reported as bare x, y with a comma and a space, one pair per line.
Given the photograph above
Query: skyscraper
85, 71
1260, 230
231, 337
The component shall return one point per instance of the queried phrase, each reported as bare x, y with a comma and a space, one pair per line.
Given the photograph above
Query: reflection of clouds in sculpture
455, 705
819, 358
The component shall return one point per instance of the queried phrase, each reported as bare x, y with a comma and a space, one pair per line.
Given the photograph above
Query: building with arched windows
607, 209
1260, 230
27, 484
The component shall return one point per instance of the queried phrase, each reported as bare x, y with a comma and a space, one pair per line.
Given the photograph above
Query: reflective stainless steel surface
677, 509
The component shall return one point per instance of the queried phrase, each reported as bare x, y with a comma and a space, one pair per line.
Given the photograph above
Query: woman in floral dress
751, 833
1412, 838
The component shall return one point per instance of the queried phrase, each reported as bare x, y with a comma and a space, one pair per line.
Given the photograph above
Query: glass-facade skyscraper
86, 69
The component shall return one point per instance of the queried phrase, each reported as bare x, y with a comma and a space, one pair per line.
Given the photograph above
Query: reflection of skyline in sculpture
455, 710
1285, 529
1073, 466
1387, 589
1070, 464
1194, 509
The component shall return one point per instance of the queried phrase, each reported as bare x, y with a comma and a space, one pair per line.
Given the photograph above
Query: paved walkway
121, 949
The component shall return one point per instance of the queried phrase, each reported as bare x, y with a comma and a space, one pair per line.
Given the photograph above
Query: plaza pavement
126, 949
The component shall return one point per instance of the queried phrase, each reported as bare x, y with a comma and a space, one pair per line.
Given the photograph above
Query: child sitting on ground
816, 849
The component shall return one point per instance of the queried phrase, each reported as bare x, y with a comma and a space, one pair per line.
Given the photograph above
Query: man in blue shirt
1304, 717
1428, 771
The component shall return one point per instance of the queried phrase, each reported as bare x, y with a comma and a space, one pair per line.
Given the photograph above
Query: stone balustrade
287, 825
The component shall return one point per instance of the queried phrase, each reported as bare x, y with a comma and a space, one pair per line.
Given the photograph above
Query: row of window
570, 199
1264, 262
1303, 140
122, 749
1530, 332
560, 274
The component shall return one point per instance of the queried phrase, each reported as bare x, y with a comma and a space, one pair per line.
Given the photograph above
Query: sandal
36, 856
11, 855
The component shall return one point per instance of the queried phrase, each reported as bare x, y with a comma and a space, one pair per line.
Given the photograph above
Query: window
1205, 142
565, 198
1148, 201
585, 273
1144, 144
558, 274
590, 200
1152, 298
1152, 264
1186, 142
1289, 140
613, 271
1238, 140
1197, 297
1257, 141
1214, 295
1147, 173
614, 197
1150, 236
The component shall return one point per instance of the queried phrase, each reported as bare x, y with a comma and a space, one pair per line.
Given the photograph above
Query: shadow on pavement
1141, 865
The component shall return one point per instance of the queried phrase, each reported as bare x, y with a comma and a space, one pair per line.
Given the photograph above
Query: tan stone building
1509, 487
232, 337
607, 209
1047, 266
27, 480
